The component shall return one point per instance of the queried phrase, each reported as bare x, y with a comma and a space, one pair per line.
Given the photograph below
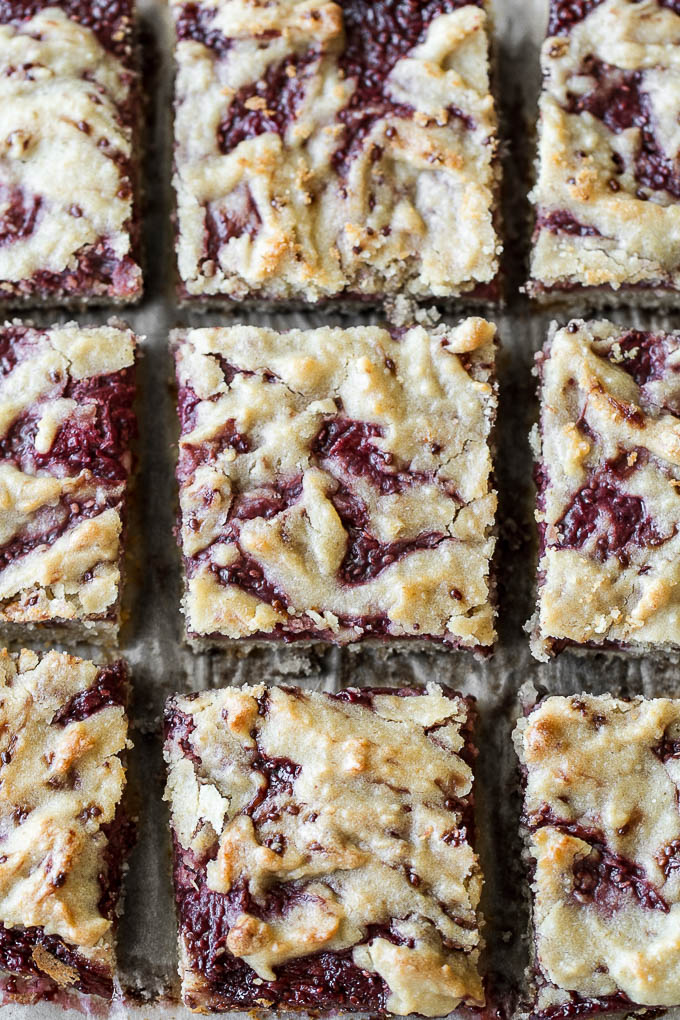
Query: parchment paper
151, 640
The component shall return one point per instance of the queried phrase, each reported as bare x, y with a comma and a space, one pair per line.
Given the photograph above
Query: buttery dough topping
335, 484
61, 783
608, 184
66, 422
66, 193
335, 824
601, 808
609, 489
323, 149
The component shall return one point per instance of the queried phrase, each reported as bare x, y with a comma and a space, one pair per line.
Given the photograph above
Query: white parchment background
151, 640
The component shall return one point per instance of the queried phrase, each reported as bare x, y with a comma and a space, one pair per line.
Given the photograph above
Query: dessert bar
66, 424
323, 849
607, 193
335, 484
65, 833
335, 151
70, 111
608, 479
602, 828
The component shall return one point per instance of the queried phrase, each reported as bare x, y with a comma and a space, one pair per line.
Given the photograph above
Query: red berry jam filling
347, 443
578, 1006
108, 19
221, 224
562, 222
196, 23
618, 519
366, 557
98, 271
98, 441
619, 101
321, 980
16, 955
226, 438
281, 90
51, 522
179, 726
377, 36
109, 688
644, 356
18, 214
601, 877
564, 14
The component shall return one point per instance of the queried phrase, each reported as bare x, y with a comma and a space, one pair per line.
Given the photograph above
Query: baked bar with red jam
64, 833
608, 479
602, 828
335, 484
66, 425
323, 849
69, 217
607, 193
335, 151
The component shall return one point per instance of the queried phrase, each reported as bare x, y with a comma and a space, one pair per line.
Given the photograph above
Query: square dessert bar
607, 193
335, 484
66, 424
323, 851
69, 126
603, 834
65, 833
608, 479
335, 150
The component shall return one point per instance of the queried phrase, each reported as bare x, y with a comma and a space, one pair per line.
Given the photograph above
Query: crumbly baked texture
608, 185
69, 113
323, 854
335, 484
603, 833
63, 730
335, 150
66, 424
608, 478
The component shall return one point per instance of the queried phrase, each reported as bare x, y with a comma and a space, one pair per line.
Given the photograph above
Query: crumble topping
66, 188
608, 186
61, 785
608, 479
326, 824
326, 148
336, 483
66, 422
601, 810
